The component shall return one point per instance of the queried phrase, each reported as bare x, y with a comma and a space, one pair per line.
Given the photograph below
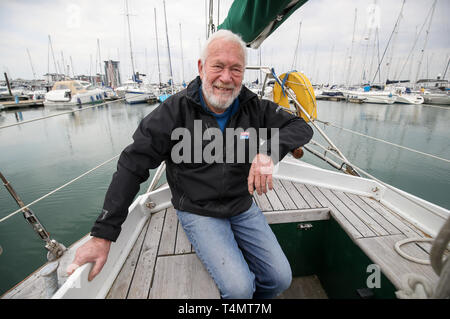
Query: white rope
58, 114
414, 286
57, 189
390, 143
412, 240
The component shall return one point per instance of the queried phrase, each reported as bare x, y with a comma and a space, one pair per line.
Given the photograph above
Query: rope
57, 189
414, 286
410, 258
390, 143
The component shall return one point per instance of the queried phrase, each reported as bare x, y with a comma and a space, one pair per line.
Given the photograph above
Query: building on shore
112, 74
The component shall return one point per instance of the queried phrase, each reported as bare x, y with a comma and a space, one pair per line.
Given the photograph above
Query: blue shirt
222, 119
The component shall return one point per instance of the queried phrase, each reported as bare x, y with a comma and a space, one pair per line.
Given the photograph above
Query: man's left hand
260, 176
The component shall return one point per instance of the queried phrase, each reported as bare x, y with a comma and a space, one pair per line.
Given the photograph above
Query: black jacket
216, 189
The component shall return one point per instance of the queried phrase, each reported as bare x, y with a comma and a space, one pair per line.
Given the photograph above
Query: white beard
217, 101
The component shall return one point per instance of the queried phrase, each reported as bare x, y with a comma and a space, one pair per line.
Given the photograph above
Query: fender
303, 90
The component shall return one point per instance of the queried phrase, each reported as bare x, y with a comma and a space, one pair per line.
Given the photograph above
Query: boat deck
163, 264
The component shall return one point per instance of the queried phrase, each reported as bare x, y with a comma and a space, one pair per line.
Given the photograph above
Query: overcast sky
323, 52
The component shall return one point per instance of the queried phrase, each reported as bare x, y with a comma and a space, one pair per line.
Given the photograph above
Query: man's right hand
95, 250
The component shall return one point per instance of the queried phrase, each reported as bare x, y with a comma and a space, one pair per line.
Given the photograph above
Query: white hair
228, 36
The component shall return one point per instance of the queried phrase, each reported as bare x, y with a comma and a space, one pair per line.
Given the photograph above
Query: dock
21, 104
336, 98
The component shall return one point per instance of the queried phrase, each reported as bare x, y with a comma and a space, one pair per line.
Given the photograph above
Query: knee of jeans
242, 289
281, 280
284, 280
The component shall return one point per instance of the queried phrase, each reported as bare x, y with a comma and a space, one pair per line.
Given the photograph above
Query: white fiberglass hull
61, 97
437, 98
371, 97
409, 99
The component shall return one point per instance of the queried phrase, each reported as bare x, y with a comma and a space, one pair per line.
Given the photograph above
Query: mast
63, 64
182, 61
31, 63
331, 65
168, 47
294, 60
211, 27
53, 53
71, 63
157, 49
351, 51
426, 40
389, 63
100, 61
446, 68
387, 45
129, 37
48, 64
90, 68
260, 73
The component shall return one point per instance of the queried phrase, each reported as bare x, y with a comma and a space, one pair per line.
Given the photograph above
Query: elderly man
212, 196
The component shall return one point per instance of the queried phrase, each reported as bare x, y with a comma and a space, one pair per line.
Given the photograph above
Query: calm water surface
40, 156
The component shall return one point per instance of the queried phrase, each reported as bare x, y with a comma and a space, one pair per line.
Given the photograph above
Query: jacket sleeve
287, 131
151, 146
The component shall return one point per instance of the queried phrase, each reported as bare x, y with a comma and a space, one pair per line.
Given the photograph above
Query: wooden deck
162, 263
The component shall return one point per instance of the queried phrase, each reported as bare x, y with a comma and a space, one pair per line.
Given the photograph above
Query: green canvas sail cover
255, 20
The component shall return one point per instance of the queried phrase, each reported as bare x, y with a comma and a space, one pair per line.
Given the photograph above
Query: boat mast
396, 27
53, 53
294, 60
157, 49
31, 63
99, 61
129, 37
446, 68
351, 51
387, 45
426, 40
71, 63
210, 27
182, 61
331, 66
168, 47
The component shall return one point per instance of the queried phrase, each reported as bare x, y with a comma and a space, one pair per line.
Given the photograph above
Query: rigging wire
383, 141
57, 189
399, 192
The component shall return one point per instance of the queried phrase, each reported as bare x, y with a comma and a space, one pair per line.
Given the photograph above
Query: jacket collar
194, 86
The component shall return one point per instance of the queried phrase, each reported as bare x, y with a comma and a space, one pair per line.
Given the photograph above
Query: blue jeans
240, 253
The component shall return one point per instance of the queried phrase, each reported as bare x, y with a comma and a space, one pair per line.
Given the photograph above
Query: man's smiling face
222, 74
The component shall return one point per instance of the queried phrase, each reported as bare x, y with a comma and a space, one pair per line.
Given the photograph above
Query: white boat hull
409, 99
437, 98
137, 97
371, 97
63, 97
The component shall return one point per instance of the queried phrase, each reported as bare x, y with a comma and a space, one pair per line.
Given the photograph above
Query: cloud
75, 27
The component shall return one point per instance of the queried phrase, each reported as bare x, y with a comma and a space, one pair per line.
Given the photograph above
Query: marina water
40, 156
